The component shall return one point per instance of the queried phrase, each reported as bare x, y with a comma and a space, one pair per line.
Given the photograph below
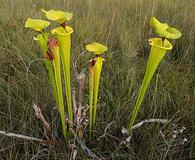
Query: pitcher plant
50, 49
95, 67
159, 48
42, 38
53, 45
64, 40
63, 36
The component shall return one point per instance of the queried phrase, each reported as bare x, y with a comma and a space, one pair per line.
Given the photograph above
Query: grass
123, 27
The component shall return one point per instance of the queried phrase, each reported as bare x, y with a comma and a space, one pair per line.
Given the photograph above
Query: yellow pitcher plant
57, 70
56, 49
95, 67
63, 36
64, 40
50, 51
42, 38
159, 47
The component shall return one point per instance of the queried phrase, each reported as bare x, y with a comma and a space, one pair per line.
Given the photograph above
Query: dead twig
20, 136
81, 79
74, 103
40, 116
128, 133
74, 152
83, 146
163, 121
80, 116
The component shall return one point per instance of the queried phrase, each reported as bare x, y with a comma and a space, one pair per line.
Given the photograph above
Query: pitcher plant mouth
42, 39
38, 37
62, 31
42, 35
160, 43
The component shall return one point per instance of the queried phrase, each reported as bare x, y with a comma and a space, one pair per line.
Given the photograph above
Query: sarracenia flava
51, 53
95, 67
42, 39
53, 44
159, 47
63, 36
53, 49
64, 41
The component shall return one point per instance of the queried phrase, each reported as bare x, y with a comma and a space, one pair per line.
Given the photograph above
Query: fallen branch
128, 133
163, 121
81, 111
74, 103
20, 136
40, 116
86, 150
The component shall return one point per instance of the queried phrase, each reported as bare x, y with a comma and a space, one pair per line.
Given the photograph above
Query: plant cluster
56, 51
56, 48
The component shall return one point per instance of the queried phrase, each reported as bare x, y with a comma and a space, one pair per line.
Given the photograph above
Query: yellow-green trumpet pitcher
42, 38
54, 48
159, 47
95, 67
63, 37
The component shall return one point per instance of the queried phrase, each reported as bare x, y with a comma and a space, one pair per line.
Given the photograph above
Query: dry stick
82, 144
40, 116
79, 117
128, 133
20, 136
74, 103
163, 121
81, 79
74, 153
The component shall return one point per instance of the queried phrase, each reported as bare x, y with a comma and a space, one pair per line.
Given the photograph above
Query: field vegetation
123, 26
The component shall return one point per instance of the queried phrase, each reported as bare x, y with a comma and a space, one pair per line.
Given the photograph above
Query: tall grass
123, 26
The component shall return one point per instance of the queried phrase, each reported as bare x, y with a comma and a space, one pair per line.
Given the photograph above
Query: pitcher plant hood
57, 15
36, 24
163, 29
97, 48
